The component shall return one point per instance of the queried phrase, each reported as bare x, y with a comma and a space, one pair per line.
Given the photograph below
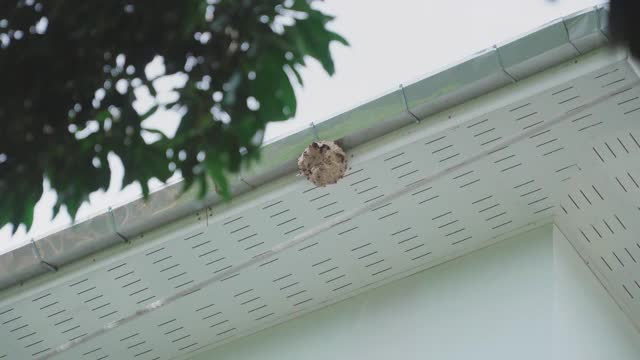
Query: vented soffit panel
560, 146
483, 72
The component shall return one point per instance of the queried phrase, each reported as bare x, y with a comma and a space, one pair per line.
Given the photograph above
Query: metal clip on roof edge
406, 104
597, 8
36, 253
115, 228
566, 29
315, 131
513, 79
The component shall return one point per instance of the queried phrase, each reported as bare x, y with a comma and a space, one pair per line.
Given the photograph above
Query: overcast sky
392, 43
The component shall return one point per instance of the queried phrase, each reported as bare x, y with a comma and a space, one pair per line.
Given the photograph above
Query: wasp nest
323, 162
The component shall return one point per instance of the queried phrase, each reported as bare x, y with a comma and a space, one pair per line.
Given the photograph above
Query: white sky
392, 43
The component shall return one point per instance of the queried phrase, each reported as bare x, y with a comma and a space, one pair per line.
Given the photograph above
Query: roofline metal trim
398, 108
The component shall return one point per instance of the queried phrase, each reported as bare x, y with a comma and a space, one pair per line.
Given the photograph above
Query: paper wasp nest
323, 162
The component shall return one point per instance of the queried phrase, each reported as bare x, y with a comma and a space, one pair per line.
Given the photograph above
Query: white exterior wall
518, 299
588, 325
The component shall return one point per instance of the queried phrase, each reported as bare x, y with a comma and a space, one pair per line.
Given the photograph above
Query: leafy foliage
72, 72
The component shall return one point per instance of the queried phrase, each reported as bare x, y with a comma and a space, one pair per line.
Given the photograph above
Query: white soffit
510, 190
586, 164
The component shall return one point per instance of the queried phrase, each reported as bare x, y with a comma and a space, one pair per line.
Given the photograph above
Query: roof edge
486, 71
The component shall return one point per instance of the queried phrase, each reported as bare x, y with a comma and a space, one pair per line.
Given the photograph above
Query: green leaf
217, 175
84, 69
